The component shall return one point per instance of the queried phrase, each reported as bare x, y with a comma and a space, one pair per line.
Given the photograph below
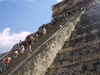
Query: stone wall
38, 62
66, 5
69, 5
80, 54
61, 6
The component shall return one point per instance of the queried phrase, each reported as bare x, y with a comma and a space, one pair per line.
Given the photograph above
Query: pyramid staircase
17, 61
38, 62
53, 54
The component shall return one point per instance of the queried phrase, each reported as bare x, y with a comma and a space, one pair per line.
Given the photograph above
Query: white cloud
8, 39
59, 0
2, 0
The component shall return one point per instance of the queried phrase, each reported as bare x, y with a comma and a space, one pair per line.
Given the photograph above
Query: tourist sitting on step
21, 49
24, 43
68, 12
16, 54
44, 31
60, 26
61, 16
66, 19
40, 28
29, 50
36, 36
53, 21
30, 39
73, 12
55, 18
82, 8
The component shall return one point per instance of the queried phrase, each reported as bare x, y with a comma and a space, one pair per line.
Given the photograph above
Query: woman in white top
29, 50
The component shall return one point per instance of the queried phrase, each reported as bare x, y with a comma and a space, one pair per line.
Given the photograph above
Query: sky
19, 18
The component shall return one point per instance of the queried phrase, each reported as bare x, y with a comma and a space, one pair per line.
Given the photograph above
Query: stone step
77, 53
89, 68
83, 59
78, 47
88, 29
82, 40
85, 29
73, 37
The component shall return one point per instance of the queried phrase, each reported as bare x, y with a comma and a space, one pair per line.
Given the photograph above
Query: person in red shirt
7, 61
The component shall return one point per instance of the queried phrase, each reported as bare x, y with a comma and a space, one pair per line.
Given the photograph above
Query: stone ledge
81, 40
84, 34
77, 53
69, 49
85, 58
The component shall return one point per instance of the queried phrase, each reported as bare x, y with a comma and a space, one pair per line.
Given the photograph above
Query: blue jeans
6, 65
